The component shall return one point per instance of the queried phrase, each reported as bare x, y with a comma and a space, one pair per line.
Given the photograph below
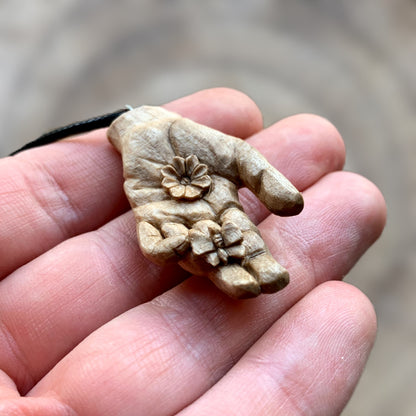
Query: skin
90, 327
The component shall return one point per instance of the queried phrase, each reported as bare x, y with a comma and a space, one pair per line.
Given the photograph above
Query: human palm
88, 326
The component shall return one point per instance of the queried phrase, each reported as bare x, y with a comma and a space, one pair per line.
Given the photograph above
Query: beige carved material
181, 179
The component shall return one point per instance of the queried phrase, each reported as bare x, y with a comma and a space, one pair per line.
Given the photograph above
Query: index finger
52, 193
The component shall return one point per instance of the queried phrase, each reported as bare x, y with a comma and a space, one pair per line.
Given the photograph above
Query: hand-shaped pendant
181, 179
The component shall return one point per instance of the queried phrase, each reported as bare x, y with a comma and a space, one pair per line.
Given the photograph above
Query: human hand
89, 327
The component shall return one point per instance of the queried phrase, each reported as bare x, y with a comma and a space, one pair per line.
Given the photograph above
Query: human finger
310, 360
51, 304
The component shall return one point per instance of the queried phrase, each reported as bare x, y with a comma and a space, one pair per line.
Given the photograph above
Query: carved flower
186, 178
218, 244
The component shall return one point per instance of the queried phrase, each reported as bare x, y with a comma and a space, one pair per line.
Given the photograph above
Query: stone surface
181, 179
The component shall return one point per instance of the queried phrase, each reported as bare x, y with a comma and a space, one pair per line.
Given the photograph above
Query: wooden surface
351, 61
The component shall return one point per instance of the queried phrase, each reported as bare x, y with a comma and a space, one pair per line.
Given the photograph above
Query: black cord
71, 129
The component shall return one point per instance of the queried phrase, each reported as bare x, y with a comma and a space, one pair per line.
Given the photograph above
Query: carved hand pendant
181, 179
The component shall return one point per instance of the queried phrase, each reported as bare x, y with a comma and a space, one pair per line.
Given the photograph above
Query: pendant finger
304, 148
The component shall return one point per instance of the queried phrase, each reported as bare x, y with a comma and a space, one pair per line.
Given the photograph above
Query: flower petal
169, 171
231, 234
199, 170
203, 182
212, 259
200, 242
213, 228
237, 252
177, 191
222, 254
192, 192
169, 182
191, 162
179, 164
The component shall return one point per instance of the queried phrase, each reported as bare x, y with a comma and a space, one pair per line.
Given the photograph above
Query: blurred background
350, 61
